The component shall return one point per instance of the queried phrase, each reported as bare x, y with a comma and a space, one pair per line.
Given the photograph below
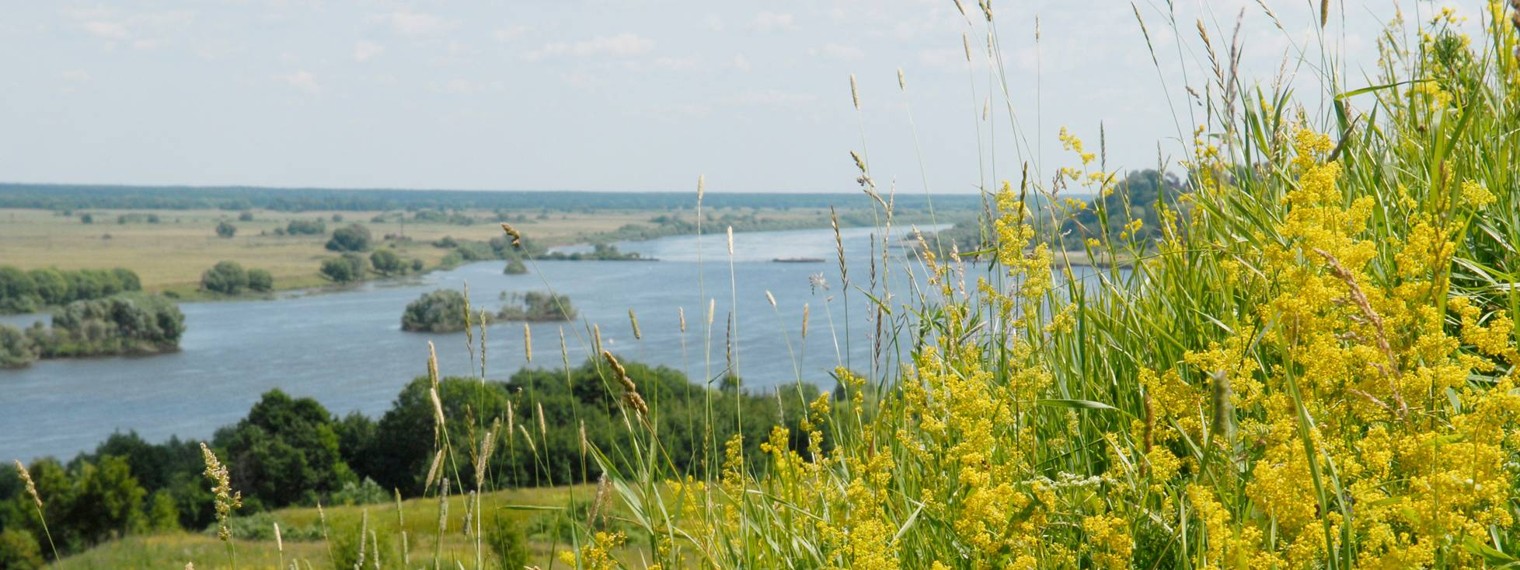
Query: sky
631, 95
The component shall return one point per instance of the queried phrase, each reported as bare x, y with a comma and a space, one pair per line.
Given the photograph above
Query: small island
122, 324
445, 310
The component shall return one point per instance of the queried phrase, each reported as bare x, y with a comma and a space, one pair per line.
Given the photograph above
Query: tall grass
1314, 367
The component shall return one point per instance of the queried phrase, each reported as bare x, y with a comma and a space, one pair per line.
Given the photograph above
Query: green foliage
386, 262
52, 288
694, 422
515, 267
225, 229
1141, 195
439, 311
306, 227
354, 237
16, 350
19, 550
507, 540
260, 281
226, 277
87, 503
537, 306
365, 492
345, 269
245, 216
27, 291
18, 293
285, 452
130, 323
599, 252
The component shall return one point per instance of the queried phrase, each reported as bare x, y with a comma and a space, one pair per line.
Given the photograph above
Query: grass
302, 530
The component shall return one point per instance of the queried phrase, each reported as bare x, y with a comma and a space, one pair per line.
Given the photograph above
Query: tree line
293, 451
30, 291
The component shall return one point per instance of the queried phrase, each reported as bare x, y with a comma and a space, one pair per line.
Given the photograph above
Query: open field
172, 254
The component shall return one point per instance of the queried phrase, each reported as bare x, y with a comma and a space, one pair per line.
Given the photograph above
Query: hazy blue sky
604, 95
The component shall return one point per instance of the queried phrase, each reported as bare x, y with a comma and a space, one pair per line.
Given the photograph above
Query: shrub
306, 227
226, 277
354, 237
506, 539
345, 269
260, 280
439, 311
19, 550
538, 306
225, 229
16, 350
386, 262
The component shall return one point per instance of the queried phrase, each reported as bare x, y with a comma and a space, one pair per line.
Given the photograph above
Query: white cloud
775, 21
840, 51
366, 50
774, 98
621, 45
302, 80
740, 63
415, 24
107, 30
713, 23
675, 63
74, 76
145, 31
509, 34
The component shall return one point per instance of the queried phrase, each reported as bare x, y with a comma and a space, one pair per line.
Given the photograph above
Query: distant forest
72, 197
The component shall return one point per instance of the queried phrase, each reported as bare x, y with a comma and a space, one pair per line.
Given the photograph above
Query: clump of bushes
28, 291
439, 311
229, 278
354, 237
124, 324
345, 269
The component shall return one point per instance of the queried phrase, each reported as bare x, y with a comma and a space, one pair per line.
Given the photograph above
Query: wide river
346, 349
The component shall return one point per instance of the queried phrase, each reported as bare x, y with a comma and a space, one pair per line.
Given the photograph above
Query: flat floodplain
172, 254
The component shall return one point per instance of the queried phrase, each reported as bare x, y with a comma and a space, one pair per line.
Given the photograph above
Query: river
346, 349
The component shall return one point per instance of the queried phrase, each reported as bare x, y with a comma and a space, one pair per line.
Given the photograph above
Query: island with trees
122, 324
447, 310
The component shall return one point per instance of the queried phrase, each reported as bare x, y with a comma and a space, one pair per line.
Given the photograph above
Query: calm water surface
347, 349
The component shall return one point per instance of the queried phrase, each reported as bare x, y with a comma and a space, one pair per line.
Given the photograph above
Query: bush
16, 350
386, 262
19, 550
245, 216
354, 237
538, 306
346, 269
260, 281
226, 277
439, 311
225, 229
306, 227
129, 323
507, 541
515, 267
